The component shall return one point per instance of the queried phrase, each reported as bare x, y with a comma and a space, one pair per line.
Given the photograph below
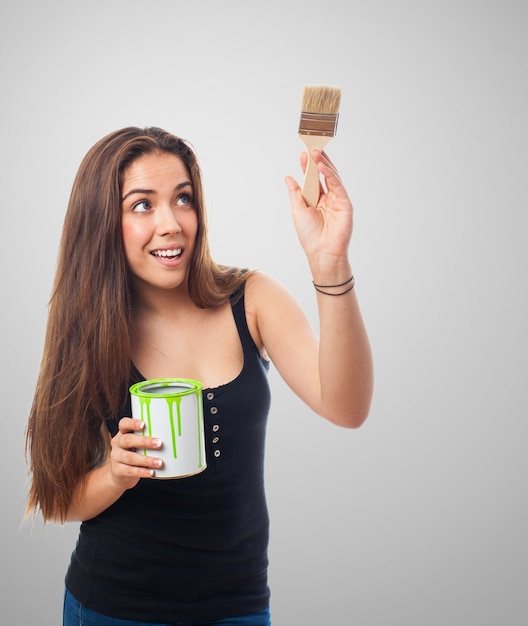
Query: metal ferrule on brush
323, 124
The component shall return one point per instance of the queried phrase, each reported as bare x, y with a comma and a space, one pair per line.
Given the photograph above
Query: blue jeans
75, 614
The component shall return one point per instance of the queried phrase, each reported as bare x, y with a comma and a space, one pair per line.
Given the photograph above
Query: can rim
137, 389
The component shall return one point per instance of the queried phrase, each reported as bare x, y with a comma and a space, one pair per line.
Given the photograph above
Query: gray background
420, 516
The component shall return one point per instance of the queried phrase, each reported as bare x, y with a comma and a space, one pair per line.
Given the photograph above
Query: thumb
295, 193
292, 184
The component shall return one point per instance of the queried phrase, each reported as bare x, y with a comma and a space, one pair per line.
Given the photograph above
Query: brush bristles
321, 99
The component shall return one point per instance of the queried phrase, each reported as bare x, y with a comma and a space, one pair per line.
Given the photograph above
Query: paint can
172, 410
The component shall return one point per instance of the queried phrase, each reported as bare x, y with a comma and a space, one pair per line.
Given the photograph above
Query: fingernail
156, 443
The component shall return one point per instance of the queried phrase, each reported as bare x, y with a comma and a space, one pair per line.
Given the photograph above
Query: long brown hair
85, 369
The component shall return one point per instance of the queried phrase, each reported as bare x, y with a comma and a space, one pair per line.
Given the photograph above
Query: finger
129, 437
122, 471
320, 158
331, 176
135, 459
129, 441
304, 161
292, 184
131, 464
130, 425
327, 159
323, 161
295, 192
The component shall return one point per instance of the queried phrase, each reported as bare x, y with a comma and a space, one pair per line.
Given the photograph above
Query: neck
150, 301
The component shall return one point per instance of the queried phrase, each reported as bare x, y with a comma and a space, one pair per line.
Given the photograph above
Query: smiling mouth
167, 254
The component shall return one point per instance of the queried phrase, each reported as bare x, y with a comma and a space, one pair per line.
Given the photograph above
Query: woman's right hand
105, 484
127, 466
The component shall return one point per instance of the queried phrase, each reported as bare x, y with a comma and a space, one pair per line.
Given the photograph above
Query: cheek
131, 235
192, 225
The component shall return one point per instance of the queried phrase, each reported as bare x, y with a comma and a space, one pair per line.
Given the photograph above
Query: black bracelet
341, 293
350, 280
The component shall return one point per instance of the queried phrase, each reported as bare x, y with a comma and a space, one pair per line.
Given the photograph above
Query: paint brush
319, 113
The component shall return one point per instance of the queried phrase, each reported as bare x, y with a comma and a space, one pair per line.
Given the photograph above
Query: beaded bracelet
320, 288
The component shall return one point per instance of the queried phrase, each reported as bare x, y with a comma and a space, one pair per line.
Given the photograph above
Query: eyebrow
151, 191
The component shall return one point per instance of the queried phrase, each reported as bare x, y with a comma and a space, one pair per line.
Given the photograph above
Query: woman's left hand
324, 231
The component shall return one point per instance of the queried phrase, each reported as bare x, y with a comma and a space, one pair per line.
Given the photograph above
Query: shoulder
259, 288
262, 290
271, 310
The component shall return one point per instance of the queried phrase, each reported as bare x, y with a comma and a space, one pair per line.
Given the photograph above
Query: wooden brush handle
311, 188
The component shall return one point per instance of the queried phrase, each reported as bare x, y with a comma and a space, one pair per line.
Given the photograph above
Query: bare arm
333, 374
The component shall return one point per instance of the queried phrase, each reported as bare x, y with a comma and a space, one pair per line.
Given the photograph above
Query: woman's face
159, 220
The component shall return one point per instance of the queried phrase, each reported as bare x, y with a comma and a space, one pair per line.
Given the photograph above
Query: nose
167, 222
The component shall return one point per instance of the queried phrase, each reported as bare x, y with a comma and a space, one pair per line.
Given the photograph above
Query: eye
184, 199
141, 206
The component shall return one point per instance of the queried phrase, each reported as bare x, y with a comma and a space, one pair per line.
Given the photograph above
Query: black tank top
192, 549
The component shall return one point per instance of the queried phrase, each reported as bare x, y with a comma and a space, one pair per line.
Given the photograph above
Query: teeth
167, 253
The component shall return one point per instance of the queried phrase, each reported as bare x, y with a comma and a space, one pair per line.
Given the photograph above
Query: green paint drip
178, 402
145, 408
200, 425
170, 403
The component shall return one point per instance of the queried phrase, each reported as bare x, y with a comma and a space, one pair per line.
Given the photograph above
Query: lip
169, 261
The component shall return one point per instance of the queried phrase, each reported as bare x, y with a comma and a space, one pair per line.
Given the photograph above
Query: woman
138, 296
